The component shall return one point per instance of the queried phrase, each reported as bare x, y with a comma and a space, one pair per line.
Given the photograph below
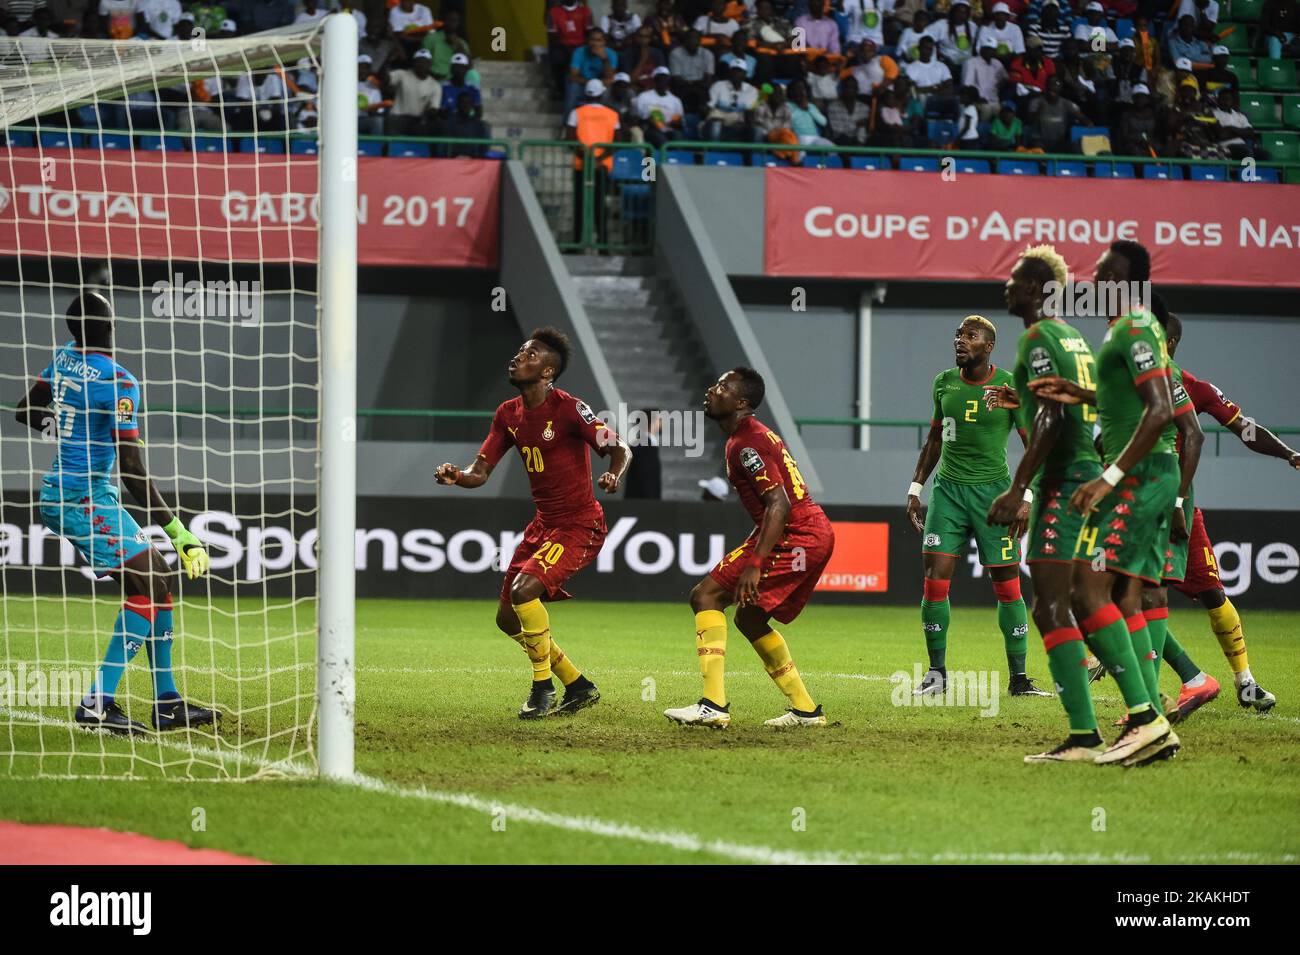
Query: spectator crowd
1128, 77
415, 75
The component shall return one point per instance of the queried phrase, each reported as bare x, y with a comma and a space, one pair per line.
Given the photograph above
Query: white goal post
226, 164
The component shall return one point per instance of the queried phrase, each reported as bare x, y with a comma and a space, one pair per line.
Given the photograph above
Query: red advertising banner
910, 225
242, 207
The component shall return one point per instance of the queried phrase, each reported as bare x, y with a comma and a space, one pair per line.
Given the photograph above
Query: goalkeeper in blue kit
89, 404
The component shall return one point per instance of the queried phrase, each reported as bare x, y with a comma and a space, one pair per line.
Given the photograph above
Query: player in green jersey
1127, 510
969, 442
1189, 560
1059, 458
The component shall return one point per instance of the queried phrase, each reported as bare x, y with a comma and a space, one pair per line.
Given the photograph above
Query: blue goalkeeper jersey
96, 401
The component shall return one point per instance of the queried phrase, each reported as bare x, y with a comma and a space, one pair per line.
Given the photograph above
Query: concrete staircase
517, 106
654, 356
516, 102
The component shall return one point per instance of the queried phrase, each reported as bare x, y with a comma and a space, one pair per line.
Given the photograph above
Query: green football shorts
958, 512
1053, 527
1131, 524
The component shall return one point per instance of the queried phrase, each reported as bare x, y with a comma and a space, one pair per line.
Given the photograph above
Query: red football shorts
555, 552
792, 570
1202, 570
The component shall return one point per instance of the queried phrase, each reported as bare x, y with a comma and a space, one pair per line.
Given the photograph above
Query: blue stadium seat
1069, 170
370, 147
20, 138
1123, 29
724, 159
61, 138
918, 164
772, 160
978, 166
680, 157
869, 162
154, 143
1266, 174
304, 147
627, 165
496, 154
216, 144
1208, 174
634, 202
405, 149
940, 130
1078, 132
821, 161
1161, 171
1017, 167
1115, 170
107, 141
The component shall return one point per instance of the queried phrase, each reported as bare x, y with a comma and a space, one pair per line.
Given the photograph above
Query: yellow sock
775, 654
711, 645
1226, 624
536, 636
562, 666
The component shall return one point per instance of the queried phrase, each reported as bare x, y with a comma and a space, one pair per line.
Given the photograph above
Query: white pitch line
668, 838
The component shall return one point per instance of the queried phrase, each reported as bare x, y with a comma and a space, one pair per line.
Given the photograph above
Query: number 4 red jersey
553, 441
757, 461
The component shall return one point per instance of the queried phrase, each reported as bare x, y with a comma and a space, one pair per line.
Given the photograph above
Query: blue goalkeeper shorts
95, 523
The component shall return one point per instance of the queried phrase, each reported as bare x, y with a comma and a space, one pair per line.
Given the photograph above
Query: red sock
1007, 591
936, 591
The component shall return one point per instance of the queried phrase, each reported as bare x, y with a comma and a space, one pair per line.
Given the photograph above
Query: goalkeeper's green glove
188, 548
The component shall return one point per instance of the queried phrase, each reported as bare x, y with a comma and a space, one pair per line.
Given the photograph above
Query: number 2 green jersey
1134, 352
974, 448
1051, 347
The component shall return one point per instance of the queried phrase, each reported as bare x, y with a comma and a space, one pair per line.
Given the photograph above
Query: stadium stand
691, 70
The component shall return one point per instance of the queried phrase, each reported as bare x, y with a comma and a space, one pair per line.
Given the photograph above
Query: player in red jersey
1201, 582
553, 431
773, 573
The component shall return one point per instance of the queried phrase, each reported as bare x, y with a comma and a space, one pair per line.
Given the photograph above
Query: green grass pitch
452, 776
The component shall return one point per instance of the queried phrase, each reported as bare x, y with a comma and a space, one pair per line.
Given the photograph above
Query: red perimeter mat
74, 845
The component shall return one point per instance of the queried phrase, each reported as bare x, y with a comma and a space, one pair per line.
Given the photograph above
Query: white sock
1242, 678
1196, 681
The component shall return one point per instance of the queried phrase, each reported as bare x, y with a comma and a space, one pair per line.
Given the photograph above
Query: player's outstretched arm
136, 480
776, 512
1189, 458
34, 408
925, 463
1262, 441
1008, 508
1063, 390
1157, 412
620, 459
473, 476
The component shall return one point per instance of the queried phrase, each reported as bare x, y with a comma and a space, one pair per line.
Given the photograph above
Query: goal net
181, 180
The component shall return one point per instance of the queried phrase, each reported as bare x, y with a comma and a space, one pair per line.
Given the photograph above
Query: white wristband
1112, 475
914, 489
1029, 496
1178, 503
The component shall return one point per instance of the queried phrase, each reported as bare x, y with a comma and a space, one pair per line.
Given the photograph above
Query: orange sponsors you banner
860, 562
